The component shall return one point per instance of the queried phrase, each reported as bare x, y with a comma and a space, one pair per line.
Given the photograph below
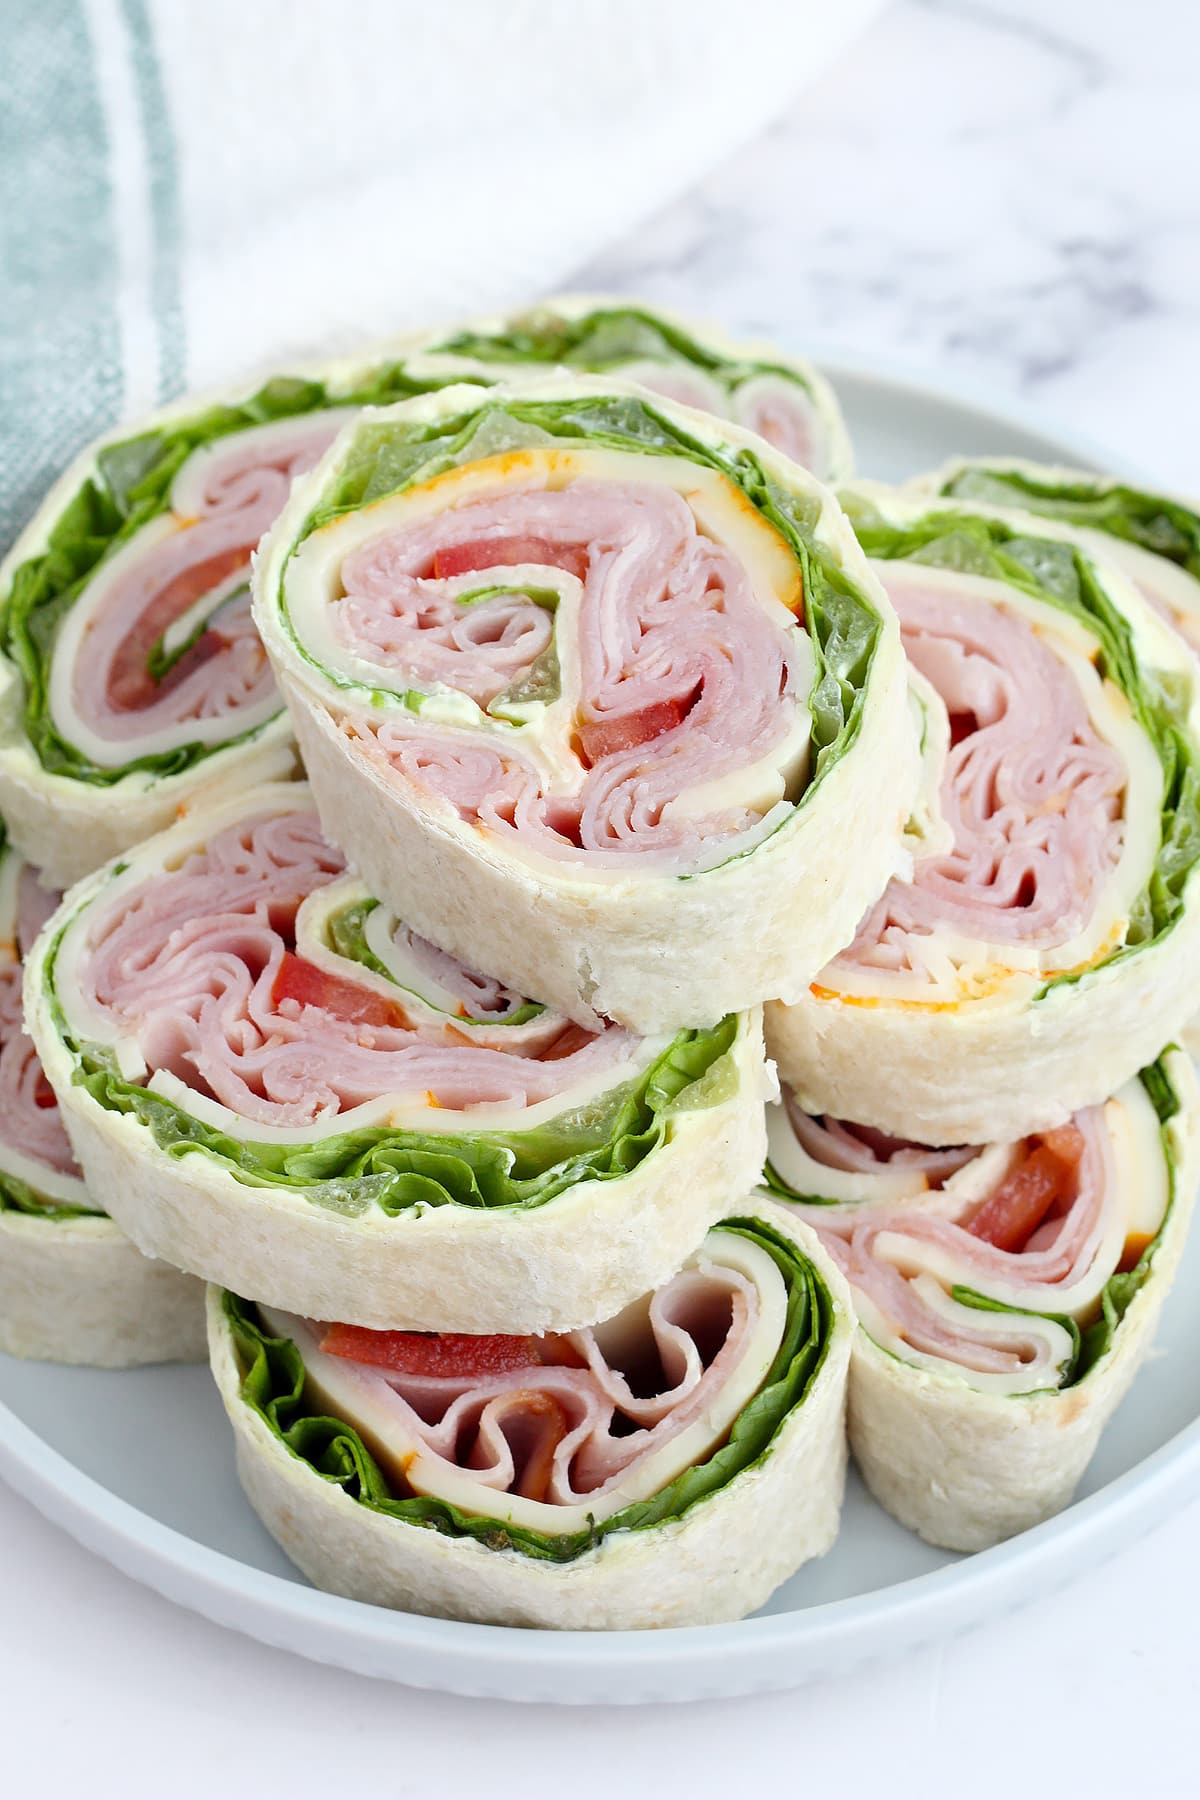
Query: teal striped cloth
62, 362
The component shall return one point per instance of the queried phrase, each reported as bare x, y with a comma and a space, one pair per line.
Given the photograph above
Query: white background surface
1002, 191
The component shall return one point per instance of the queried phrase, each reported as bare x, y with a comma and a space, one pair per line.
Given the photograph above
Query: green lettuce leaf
604, 339
1063, 576
273, 1384
17, 1196
399, 1170
1165, 527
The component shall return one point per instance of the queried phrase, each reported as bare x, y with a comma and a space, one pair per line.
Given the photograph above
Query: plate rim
901, 1615
690, 1662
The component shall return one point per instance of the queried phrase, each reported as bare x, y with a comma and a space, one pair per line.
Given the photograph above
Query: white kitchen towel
189, 190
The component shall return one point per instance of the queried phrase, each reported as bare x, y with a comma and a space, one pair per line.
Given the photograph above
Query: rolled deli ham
668, 1466
72, 1287
566, 651
782, 398
132, 679
1006, 1294
1046, 943
279, 1085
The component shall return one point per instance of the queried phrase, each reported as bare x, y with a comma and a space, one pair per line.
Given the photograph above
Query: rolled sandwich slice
132, 680
670, 1466
782, 398
72, 1287
277, 1085
1152, 538
1047, 943
1004, 1309
570, 653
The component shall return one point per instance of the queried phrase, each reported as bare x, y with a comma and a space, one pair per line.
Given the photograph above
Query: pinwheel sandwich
669, 1466
132, 680
278, 1085
1006, 1295
782, 398
1047, 943
590, 686
72, 1287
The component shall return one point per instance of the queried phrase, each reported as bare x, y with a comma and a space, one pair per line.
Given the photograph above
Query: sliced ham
783, 413
479, 996
837, 1144
1032, 794
199, 964
674, 650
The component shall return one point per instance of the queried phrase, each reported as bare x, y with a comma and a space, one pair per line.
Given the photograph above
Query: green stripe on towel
60, 367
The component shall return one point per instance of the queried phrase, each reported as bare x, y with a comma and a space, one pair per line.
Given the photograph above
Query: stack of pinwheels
534, 1296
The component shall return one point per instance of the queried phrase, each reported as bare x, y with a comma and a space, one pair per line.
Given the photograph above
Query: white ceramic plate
139, 1466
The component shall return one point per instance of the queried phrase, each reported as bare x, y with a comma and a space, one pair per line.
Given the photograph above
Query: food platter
139, 1465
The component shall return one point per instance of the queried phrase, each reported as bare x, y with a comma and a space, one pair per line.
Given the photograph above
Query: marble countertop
1000, 191
995, 191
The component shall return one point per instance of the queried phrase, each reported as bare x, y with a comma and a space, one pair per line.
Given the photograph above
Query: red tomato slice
301, 980
505, 552
43, 1093
450, 1353
625, 731
568, 1041
1009, 1217
130, 683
